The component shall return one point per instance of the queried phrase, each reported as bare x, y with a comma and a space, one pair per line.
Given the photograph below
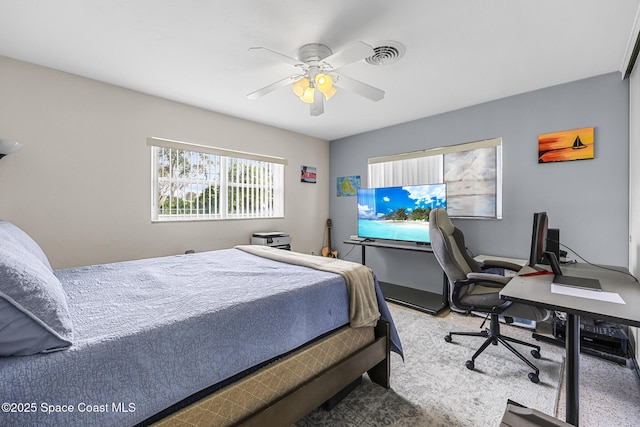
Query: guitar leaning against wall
326, 251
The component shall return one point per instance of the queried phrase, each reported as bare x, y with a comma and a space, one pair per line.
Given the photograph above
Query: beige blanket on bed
359, 279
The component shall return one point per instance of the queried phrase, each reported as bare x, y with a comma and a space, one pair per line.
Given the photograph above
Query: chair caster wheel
448, 338
470, 365
534, 378
535, 354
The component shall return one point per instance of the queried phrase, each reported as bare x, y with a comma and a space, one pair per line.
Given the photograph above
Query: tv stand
430, 302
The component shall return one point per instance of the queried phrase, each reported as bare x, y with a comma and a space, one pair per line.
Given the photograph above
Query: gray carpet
434, 388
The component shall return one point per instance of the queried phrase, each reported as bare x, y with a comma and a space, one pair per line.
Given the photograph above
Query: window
472, 172
195, 182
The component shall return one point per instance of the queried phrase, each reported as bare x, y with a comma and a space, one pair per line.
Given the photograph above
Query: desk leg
573, 369
363, 251
445, 290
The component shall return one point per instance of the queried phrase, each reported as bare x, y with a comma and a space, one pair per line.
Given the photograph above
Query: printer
275, 239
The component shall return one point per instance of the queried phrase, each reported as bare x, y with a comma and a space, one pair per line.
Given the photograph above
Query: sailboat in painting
577, 144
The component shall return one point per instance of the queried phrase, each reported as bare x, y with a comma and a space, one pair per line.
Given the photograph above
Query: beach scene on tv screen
399, 213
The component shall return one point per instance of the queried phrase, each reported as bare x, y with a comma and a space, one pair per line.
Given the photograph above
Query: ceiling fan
316, 75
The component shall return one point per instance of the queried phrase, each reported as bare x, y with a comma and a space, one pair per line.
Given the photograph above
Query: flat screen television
538, 239
399, 213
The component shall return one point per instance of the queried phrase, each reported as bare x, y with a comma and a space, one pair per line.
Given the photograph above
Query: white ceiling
458, 52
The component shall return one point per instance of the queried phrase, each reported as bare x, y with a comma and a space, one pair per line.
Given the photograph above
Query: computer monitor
538, 239
539, 252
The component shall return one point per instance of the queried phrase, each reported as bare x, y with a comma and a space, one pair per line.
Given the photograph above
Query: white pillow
34, 315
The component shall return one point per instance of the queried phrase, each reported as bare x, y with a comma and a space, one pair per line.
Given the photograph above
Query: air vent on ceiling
386, 53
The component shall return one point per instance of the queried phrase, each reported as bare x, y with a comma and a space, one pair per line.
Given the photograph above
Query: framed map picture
348, 185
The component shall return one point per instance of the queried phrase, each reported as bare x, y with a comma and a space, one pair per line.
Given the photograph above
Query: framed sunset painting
576, 144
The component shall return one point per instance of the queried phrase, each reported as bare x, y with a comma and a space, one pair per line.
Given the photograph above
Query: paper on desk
586, 293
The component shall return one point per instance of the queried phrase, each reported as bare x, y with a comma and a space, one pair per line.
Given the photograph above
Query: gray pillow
12, 235
34, 315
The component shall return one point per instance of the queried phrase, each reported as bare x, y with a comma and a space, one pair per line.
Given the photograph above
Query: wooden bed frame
374, 359
325, 389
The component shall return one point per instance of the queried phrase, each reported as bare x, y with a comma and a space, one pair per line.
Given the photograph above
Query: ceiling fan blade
273, 55
355, 52
273, 86
359, 88
317, 107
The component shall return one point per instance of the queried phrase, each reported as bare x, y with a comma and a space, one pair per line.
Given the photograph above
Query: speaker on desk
553, 242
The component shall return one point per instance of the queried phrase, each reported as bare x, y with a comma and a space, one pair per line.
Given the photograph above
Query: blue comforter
149, 333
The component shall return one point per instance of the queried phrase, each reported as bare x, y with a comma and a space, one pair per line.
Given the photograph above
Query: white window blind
472, 172
412, 171
195, 182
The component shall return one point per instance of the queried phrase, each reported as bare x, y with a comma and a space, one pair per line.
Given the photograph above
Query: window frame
225, 157
377, 165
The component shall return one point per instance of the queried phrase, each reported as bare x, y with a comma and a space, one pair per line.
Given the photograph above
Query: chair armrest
493, 279
489, 280
496, 263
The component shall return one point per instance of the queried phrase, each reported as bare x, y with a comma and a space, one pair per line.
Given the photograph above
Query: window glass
188, 184
472, 172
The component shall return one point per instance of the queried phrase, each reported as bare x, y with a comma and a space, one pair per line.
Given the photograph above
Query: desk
536, 290
415, 298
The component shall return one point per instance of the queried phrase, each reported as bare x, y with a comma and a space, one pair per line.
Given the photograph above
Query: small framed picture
308, 174
348, 185
576, 144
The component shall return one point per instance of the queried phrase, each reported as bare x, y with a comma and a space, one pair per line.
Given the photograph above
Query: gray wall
573, 193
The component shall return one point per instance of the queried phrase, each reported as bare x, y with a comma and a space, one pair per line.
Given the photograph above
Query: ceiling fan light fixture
300, 86
317, 69
324, 82
308, 95
329, 93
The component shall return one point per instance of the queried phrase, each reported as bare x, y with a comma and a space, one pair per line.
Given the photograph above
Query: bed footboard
373, 359
370, 353
381, 373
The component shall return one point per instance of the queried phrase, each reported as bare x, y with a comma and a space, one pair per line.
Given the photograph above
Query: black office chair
471, 289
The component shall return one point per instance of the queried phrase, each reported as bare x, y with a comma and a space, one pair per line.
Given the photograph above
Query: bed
242, 336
